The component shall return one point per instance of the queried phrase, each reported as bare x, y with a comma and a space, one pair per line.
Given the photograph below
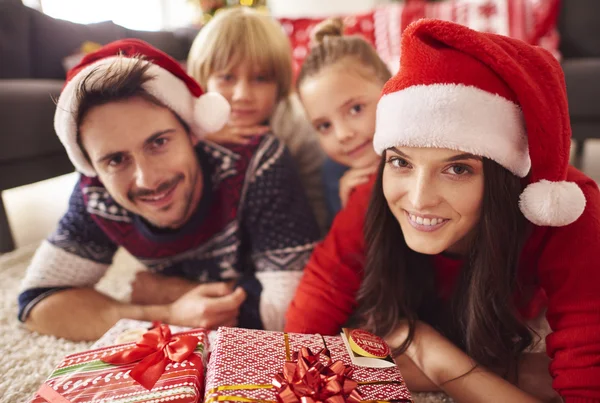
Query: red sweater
564, 261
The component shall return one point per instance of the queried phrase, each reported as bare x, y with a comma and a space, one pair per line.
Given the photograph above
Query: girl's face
436, 195
341, 105
251, 93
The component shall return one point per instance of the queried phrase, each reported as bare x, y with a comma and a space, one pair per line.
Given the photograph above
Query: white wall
320, 8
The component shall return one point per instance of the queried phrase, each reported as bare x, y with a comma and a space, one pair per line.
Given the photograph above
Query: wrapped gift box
85, 377
244, 362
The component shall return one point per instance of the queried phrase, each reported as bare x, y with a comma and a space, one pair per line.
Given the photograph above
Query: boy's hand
208, 306
231, 134
352, 178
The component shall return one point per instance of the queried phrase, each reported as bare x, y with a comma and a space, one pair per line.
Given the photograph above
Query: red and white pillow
533, 21
299, 30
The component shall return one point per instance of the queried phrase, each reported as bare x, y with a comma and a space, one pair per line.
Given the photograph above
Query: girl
246, 57
339, 85
476, 227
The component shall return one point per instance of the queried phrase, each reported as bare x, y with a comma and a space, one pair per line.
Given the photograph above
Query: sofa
32, 48
579, 27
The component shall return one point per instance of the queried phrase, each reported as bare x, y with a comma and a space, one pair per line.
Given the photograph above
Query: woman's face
341, 104
436, 195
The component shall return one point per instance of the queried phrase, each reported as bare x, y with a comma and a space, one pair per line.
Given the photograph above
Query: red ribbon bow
156, 350
307, 379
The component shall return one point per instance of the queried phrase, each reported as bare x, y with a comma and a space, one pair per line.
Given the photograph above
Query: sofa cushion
582, 77
14, 40
27, 115
579, 26
52, 40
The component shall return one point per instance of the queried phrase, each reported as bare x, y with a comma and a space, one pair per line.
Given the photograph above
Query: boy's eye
356, 109
226, 77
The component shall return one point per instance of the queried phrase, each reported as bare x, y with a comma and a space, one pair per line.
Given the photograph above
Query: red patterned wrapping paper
241, 359
84, 377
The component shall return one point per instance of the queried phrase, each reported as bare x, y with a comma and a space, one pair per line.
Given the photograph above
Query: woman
475, 227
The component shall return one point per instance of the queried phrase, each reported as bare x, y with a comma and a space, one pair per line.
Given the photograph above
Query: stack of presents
167, 364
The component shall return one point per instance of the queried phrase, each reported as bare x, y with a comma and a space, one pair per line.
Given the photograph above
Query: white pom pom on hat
491, 96
170, 84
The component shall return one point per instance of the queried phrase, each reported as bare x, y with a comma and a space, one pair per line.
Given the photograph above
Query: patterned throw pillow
533, 21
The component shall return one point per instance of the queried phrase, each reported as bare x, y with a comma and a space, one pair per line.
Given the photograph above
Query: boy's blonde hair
242, 35
329, 46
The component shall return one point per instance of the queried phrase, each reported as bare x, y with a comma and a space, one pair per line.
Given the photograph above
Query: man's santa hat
490, 96
170, 84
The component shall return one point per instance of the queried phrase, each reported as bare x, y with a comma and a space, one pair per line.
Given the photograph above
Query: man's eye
159, 142
116, 161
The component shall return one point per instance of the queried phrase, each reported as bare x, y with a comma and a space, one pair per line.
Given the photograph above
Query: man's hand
208, 306
237, 134
352, 178
153, 289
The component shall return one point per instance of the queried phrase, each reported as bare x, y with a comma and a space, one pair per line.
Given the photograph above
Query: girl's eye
323, 127
398, 162
262, 78
459, 170
356, 109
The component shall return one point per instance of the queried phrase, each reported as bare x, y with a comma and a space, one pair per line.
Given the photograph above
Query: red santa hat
491, 96
170, 84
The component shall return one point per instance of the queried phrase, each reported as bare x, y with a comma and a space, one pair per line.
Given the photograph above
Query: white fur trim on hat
553, 204
457, 117
205, 114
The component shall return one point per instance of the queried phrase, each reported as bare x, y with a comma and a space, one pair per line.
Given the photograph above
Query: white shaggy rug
27, 358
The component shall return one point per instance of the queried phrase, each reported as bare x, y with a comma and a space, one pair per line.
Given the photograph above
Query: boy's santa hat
490, 96
170, 84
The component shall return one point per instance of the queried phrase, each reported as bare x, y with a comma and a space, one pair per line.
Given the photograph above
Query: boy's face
251, 93
341, 105
145, 158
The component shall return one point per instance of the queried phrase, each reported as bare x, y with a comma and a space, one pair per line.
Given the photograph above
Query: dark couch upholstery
579, 26
32, 49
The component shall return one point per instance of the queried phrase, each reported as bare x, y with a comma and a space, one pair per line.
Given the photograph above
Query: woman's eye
459, 170
398, 162
356, 109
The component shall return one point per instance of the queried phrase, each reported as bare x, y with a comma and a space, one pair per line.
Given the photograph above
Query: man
225, 233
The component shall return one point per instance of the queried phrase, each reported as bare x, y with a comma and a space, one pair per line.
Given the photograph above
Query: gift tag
366, 349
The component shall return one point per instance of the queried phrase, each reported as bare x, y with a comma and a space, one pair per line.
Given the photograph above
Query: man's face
145, 158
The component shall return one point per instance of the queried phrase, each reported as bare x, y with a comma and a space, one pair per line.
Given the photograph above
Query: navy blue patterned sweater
253, 225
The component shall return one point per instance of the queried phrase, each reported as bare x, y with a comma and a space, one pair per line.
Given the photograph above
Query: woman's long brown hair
481, 318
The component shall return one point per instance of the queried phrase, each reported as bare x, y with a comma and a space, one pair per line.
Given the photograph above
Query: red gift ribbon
311, 379
156, 350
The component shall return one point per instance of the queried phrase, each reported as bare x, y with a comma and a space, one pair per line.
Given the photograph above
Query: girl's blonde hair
329, 46
242, 35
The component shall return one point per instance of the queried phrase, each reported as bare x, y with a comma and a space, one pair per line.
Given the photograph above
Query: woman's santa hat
170, 84
487, 95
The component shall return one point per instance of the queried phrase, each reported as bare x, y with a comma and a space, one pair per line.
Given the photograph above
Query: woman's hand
436, 356
352, 178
